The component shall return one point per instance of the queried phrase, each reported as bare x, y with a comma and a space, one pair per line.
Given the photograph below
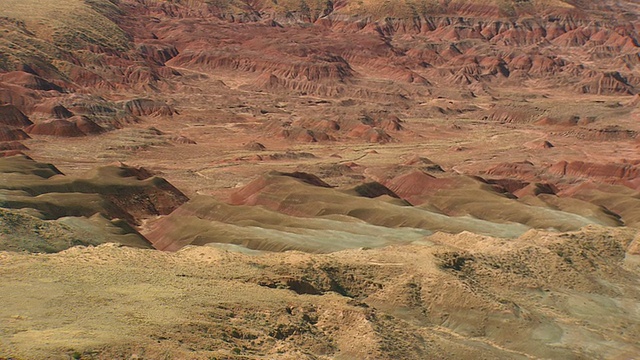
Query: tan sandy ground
544, 295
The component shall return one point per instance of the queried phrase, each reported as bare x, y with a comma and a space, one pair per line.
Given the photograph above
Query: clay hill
302, 179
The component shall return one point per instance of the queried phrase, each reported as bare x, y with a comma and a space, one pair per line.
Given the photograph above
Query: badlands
306, 179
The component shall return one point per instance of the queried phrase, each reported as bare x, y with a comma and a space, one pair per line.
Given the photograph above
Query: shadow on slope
100, 206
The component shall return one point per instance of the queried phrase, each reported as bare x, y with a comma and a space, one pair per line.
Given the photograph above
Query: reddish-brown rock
86, 125
12, 134
12, 116
62, 128
148, 107
12, 145
592, 170
29, 81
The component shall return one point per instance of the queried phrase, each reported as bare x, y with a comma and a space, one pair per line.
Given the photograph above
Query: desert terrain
299, 179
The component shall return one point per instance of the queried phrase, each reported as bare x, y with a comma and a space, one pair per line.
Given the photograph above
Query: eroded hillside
350, 179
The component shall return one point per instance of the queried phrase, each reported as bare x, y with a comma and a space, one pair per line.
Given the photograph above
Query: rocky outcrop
148, 107
12, 116
29, 81
157, 51
12, 145
130, 194
12, 134
62, 128
313, 68
594, 170
254, 146
86, 125
181, 139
